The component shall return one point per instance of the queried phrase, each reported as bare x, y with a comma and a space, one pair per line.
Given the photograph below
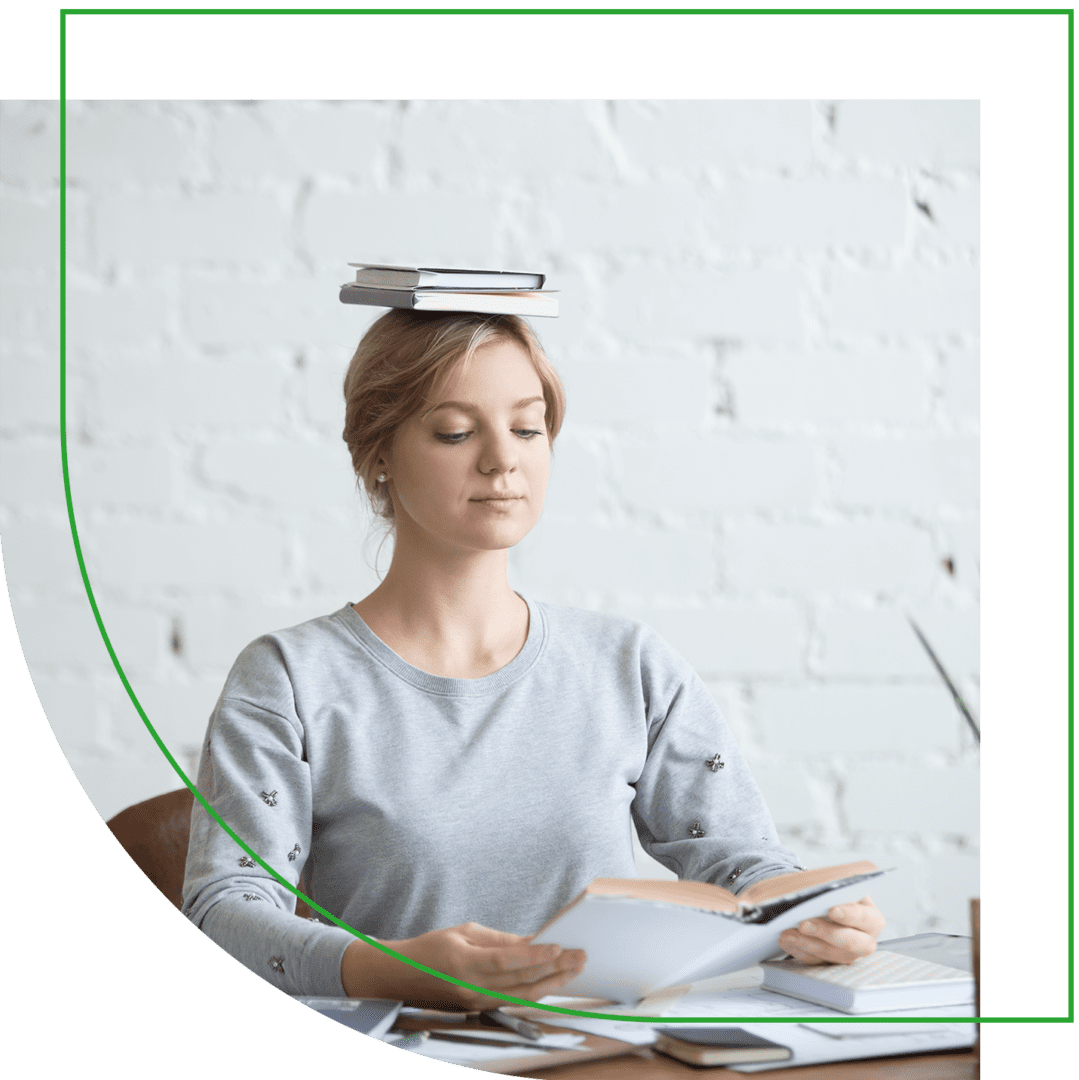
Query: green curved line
194, 791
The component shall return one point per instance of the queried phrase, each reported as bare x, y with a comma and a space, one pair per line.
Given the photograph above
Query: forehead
501, 367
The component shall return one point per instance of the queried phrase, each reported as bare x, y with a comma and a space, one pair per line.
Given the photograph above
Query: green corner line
1070, 12
1071, 514
568, 11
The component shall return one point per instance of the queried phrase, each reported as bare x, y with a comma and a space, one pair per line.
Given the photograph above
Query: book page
696, 894
785, 884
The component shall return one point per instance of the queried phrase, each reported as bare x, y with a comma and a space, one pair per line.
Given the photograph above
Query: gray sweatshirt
417, 802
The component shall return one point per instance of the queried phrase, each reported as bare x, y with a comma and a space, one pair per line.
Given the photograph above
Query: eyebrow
465, 407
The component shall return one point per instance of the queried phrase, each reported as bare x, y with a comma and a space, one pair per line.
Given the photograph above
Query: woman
450, 762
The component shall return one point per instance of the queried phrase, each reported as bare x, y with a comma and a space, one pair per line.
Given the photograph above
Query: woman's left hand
850, 931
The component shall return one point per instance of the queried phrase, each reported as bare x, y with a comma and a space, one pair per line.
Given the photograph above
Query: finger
512, 952
864, 915
531, 991
803, 956
842, 946
553, 983
844, 938
496, 974
480, 935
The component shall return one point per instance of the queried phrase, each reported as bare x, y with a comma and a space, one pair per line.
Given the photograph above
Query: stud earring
382, 478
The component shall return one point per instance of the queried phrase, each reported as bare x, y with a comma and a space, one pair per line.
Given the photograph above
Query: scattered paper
435, 1016
639, 1034
463, 1053
870, 1030
555, 1041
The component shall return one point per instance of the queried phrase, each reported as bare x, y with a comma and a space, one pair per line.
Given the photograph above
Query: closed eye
453, 437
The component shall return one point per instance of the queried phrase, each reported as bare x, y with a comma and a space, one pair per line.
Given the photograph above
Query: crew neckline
440, 684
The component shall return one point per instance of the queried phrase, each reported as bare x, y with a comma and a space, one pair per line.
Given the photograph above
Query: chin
496, 539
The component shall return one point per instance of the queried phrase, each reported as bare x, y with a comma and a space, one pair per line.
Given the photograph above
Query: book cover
717, 1045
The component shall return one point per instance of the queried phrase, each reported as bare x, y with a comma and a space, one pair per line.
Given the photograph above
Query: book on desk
883, 982
718, 1046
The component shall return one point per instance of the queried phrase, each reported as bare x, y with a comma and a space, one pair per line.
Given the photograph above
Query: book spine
388, 279
402, 298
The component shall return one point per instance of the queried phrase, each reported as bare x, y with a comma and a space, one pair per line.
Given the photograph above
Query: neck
448, 613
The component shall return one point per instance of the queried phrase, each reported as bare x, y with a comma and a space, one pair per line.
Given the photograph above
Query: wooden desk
643, 1063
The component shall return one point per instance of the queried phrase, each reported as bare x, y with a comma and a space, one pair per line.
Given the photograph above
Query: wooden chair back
155, 834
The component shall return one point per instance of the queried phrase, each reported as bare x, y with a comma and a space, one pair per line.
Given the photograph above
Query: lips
497, 497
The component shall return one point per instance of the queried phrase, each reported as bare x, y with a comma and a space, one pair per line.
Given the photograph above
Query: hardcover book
487, 302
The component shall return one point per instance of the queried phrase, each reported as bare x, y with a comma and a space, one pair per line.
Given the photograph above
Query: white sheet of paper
462, 1053
559, 1041
636, 1033
748, 999
862, 1031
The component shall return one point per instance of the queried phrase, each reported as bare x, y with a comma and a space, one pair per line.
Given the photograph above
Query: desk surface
643, 1063
646, 1064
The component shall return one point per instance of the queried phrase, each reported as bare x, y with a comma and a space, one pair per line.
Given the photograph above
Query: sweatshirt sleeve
697, 809
254, 774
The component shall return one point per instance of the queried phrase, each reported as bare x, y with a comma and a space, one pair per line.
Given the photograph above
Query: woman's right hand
472, 953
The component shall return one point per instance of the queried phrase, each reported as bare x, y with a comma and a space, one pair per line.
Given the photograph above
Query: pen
409, 1041
514, 1023
960, 704
477, 1038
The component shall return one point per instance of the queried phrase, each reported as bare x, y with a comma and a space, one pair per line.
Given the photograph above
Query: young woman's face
471, 471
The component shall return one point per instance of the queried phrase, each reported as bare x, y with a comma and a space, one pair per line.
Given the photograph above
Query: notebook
882, 982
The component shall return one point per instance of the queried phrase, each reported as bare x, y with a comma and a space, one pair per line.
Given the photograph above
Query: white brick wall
770, 348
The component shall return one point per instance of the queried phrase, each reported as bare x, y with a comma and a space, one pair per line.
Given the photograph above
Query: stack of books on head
490, 292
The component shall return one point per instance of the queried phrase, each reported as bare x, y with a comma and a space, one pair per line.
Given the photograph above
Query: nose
499, 454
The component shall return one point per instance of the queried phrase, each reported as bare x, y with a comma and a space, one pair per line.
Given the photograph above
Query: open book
642, 935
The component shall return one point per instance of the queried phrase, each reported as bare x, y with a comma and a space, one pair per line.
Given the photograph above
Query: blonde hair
400, 360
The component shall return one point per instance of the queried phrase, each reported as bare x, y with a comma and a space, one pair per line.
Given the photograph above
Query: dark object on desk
155, 834
717, 1046
370, 1016
960, 704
